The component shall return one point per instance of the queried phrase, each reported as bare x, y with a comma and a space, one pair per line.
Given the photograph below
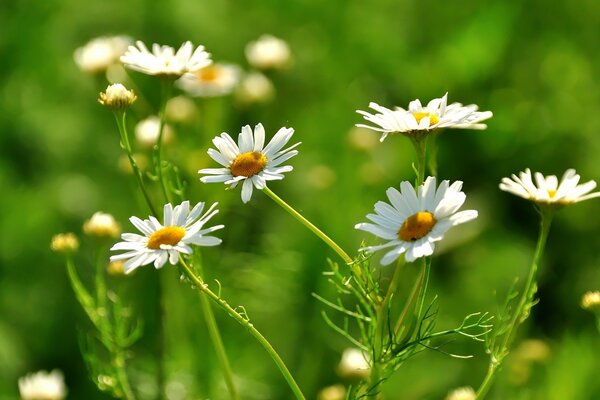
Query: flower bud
117, 97
462, 393
591, 301
64, 243
102, 225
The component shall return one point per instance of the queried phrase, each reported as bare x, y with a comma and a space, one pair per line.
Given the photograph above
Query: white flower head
255, 87
547, 189
164, 242
354, 364
268, 52
102, 225
43, 385
249, 161
420, 120
214, 80
591, 301
147, 131
415, 220
100, 53
462, 393
164, 60
117, 97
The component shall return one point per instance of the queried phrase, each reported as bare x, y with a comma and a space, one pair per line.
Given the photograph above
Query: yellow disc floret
208, 74
170, 235
416, 226
248, 164
433, 119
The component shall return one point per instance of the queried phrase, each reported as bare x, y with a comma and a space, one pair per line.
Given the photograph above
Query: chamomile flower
101, 53
268, 52
43, 385
414, 221
164, 242
249, 161
164, 61
418, 119
547, 189
214, 80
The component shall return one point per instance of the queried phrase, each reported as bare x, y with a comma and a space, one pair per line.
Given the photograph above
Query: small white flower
354, 364
102, 225
43, 385
547, 190
268, 52
117, 97
217, 79
100, 53
248, 160
435, 115
416, 220
591, 301
254, 88
462, 393
147, 131
163, 60
164, 242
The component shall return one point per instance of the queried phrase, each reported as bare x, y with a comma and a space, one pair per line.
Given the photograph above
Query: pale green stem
410, 301
427, 269
215, 335
420, 144
432, 151
199, 283
525, 300
167, 86
119, 364
309, 225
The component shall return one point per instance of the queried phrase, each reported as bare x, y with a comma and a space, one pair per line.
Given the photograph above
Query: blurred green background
534, 64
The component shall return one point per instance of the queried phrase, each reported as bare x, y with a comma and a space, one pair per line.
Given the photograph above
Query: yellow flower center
551, 193
170, 235
208, 74
416, 226
433, 119
248, 164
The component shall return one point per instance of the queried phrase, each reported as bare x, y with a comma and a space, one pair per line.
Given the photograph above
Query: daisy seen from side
419, 119
160, 243
248, 161
414, 221
218, 79
547, 189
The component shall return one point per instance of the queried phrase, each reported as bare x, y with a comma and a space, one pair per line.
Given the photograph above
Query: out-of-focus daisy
164, 242
249, 160
462, 393
418, 119
591, 301
64, 243
354, 364
254, 88
102, 225
100, 53
414, 221
147, 130
181, 109
217, 79
547, 189
268, 52
43, 385
163, 60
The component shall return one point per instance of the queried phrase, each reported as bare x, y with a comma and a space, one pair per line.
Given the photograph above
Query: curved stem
242, 320
309, 225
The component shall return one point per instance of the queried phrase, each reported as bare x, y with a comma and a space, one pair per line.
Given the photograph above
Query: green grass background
534, 64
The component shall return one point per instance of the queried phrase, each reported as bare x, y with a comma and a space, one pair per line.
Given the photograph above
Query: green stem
422, 295
521, 312
246, 324
420, 144
119, 364
215, 335
125, 144
410, 301
309, 225
160, 340
432, 151
166, 88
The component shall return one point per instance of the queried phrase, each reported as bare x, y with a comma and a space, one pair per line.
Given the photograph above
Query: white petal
247, 191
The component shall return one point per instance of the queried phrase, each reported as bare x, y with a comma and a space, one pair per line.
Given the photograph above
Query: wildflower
591, 301
164, 61
148, 130
101, 53
115, 268
248, 160
462, 393
102, 225
180, 109
420, 120
268, 52
333, 392
64, 243
211, 81
416, 220
164, 242
254, 88
43, 385
547, 190
354, 364
117, 97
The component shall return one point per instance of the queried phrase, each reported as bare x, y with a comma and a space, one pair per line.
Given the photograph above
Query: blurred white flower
268, 52
435, 115
462, 393
354, 364
217, 79
591, 301
102, 225
163, 60
147, 130
254, 88
43, 385
180, 109
547, 190
416, 220
249, 160
100, 53
164, 242
117, 97
333, 392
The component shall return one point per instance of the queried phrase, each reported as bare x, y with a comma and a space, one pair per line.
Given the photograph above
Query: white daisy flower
268, 52
100, 53
548, 190
43, 385
148, 130
255, 87
416, 220
163, 60
164, 242
217, 79
435, 115
354, 364
248, 160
